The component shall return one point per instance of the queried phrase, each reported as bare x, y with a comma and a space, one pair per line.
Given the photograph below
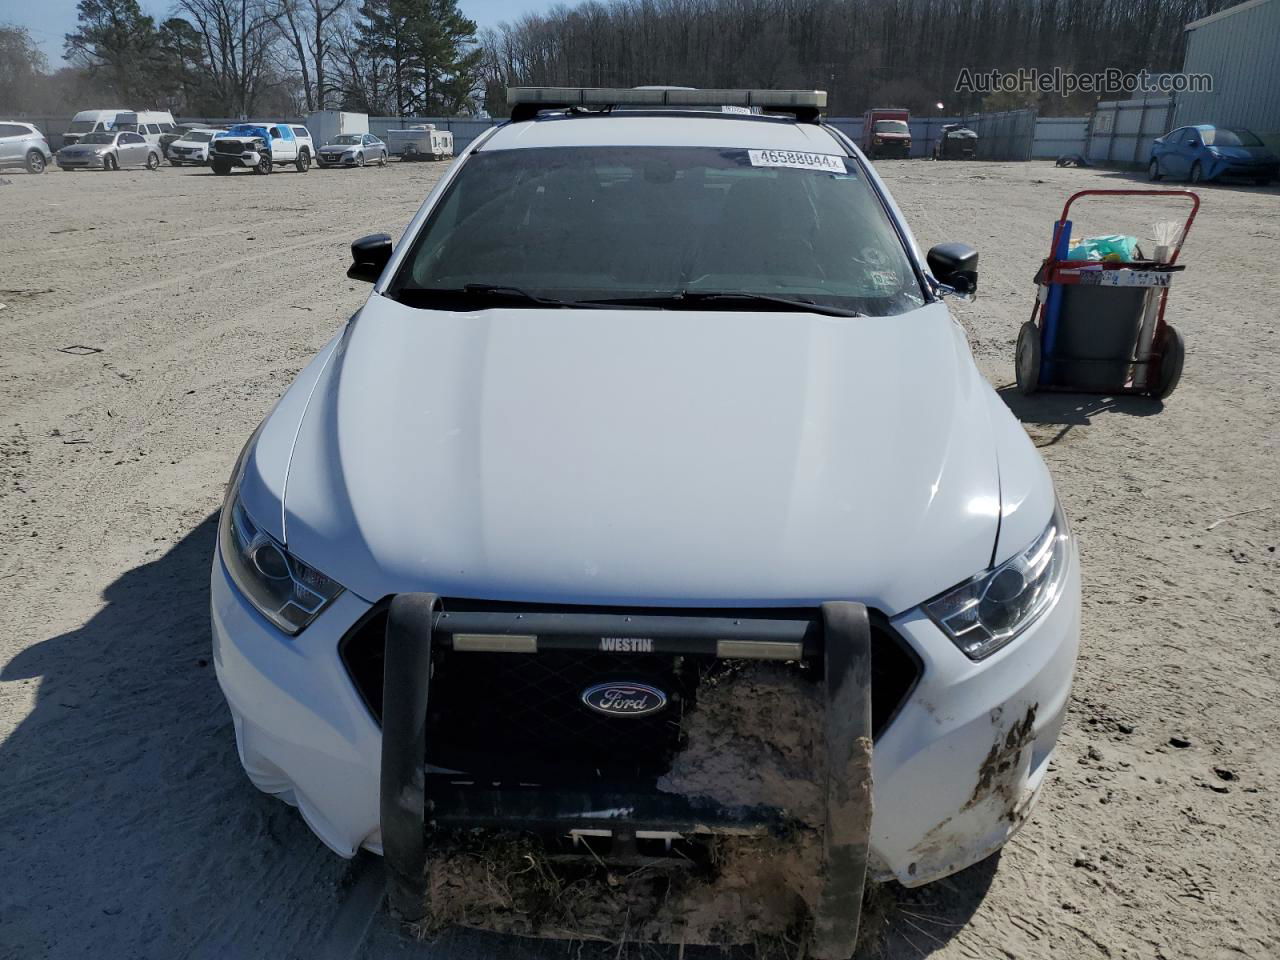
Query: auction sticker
827, 162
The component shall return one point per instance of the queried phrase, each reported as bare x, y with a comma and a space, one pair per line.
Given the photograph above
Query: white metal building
1240, 48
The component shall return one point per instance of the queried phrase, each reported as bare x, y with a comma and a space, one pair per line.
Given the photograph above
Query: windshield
99, 138
81, 126
346, 138
891, 126
1229, 138
199, 136
601, 223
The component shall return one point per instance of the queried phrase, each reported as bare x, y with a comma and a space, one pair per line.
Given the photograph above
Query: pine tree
118, 44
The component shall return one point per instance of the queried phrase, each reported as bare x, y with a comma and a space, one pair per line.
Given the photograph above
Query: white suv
649, 404
22, 145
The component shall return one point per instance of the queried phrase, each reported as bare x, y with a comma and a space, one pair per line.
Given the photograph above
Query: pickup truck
260, 147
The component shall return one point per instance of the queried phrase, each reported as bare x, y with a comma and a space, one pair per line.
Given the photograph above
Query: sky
50, 20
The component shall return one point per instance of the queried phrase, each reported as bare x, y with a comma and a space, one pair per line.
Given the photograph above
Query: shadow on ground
127, 828
1069, 410
1138, 180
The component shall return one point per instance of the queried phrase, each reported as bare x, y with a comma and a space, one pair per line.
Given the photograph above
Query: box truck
885, 133
327, 124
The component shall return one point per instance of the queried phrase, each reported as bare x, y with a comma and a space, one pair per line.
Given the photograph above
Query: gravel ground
126, 826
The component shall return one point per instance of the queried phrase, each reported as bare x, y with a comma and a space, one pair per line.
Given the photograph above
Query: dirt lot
126, 826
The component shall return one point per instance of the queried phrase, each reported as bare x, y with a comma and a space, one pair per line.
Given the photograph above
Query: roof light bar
525, 102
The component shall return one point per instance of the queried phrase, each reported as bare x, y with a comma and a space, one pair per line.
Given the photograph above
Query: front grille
233, 147
520, 716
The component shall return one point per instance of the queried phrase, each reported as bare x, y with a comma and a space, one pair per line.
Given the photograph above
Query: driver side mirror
369, 255
956, 265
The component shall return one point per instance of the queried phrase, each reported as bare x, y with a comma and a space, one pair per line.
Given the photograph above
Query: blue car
1205, 152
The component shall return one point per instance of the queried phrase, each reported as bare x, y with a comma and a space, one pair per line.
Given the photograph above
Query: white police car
646, 386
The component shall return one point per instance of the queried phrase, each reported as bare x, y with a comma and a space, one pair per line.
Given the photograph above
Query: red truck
885, 133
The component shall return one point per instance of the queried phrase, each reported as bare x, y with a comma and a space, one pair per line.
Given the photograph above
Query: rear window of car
599, 223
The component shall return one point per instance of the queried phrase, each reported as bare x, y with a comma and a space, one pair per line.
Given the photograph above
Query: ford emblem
624, 699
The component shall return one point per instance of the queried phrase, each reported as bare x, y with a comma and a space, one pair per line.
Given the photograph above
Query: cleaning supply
1114, 247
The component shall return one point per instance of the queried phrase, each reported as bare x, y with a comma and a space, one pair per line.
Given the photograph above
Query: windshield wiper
496, 292
695, 298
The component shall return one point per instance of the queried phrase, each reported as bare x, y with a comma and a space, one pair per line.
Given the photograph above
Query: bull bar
411, 799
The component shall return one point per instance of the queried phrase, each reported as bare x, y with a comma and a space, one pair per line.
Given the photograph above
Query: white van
89, 121
149, 123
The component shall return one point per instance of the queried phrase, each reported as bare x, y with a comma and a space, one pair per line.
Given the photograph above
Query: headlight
285, 590
983, 615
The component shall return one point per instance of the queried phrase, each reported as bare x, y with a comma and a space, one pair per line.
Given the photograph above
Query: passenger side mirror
956, 265
369, 255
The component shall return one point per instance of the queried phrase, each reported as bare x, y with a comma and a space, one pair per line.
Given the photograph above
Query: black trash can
1097, 334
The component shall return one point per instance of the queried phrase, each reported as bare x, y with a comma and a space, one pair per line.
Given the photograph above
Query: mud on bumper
574, 777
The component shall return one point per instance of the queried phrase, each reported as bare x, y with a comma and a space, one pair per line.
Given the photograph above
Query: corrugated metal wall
1122, 131
1058, 136
1242, 52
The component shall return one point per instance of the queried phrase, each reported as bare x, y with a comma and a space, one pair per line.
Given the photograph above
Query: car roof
671, 129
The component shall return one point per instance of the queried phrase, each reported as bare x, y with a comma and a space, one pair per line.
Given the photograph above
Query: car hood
1243, 153
646, 457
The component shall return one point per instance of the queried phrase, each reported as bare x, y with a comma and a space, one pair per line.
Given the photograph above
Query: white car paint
684, 458
186, 150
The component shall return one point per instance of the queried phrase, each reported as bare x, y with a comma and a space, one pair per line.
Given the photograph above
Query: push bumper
955, 773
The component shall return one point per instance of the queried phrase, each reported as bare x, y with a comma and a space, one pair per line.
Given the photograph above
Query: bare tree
857, 50
312, 30
238, 37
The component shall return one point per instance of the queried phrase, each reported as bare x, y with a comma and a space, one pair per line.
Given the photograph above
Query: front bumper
1243, 171
955, 773
249, 158
891, 148
335, 160
78, 163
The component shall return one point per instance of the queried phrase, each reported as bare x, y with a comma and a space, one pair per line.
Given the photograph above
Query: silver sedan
352, 150
109, 150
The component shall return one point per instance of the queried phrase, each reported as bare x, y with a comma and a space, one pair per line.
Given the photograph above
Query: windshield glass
199, 136
891, 126
593, 223
98, 138
346, 138
81, 126
1229, 138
